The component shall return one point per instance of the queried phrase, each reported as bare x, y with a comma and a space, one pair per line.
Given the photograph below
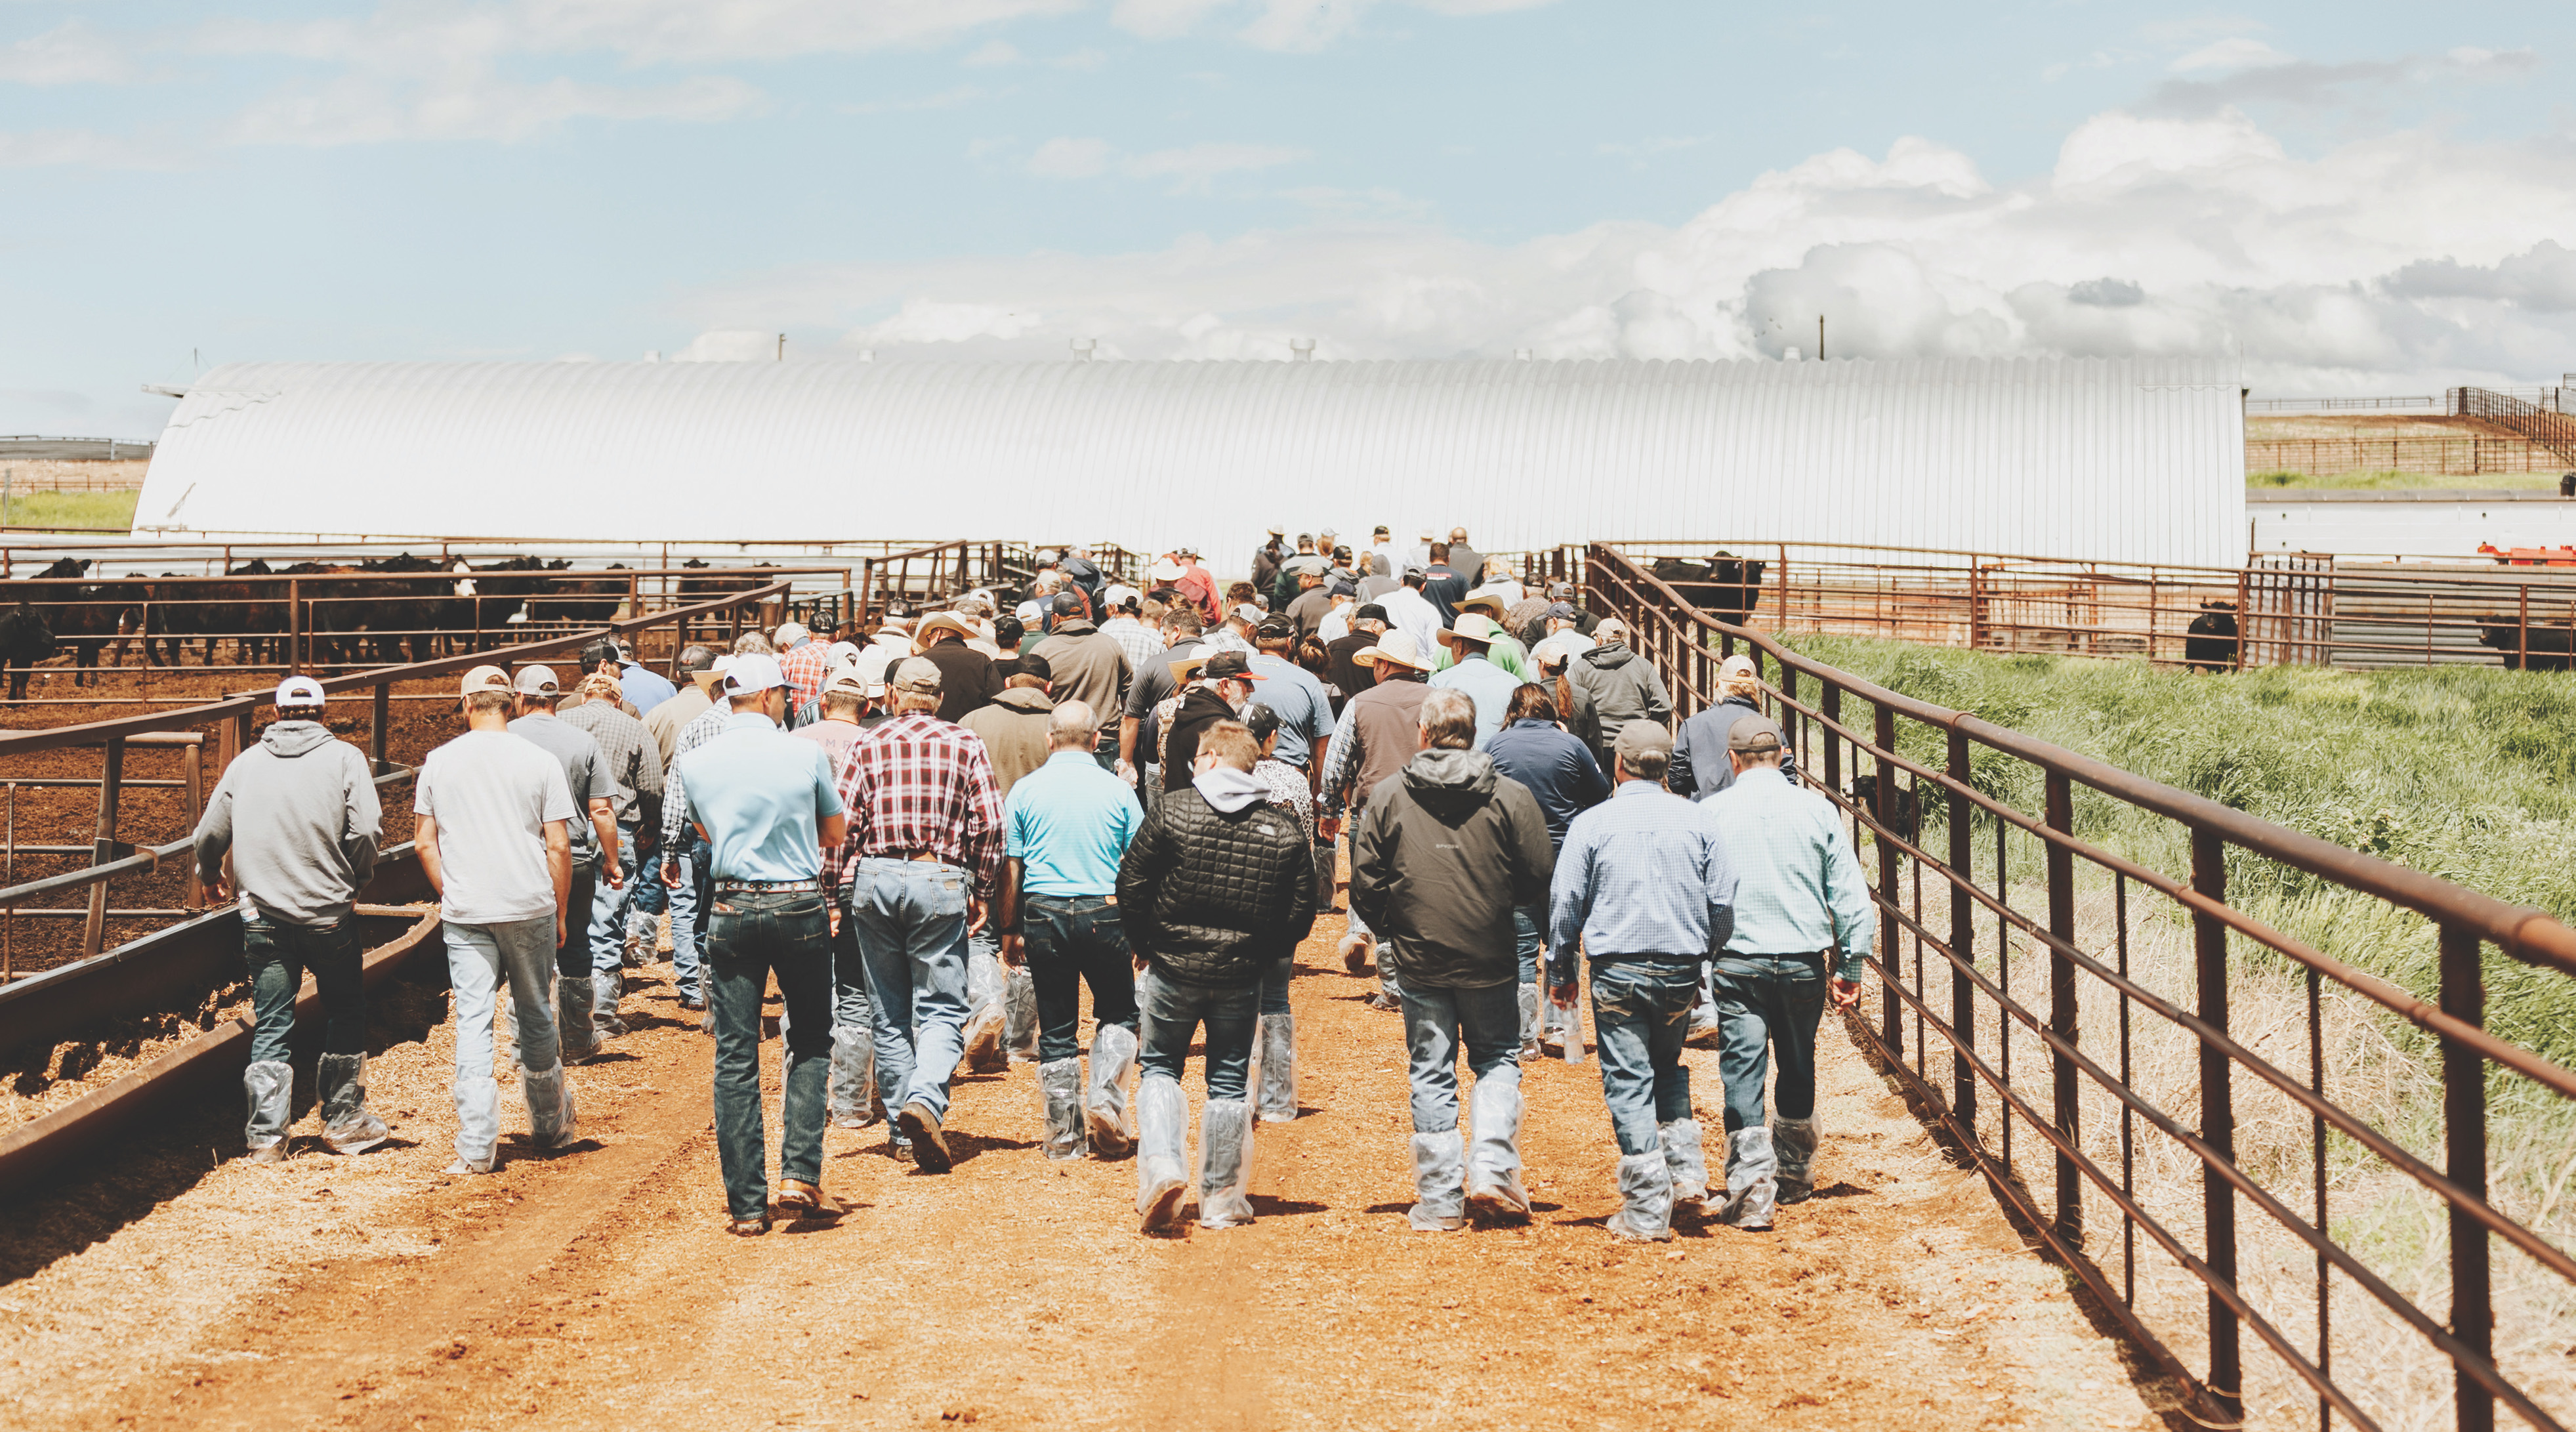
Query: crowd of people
934, 835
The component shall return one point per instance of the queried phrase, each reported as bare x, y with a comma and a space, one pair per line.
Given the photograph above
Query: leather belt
770, 887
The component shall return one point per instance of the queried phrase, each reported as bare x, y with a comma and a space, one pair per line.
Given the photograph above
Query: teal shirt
1798, 886
762, 796
1068, 823
1486, 684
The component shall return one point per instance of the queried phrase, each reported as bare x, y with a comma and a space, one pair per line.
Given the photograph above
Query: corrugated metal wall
2128, 459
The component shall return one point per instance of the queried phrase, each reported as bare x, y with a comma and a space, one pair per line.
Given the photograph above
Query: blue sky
2353, 199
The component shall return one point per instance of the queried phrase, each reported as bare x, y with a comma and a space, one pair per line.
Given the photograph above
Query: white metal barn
2113, 459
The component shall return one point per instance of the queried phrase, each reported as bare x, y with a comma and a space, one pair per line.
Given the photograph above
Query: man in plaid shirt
802, 659
917, 871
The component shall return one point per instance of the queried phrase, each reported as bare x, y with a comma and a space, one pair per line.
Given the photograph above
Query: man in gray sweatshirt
298, 813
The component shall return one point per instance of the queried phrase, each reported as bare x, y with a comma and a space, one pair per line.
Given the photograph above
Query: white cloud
1063, 158
642, 31
371, 109
69, 53
31, 148
993, 52
2237, 52
1191, 169
2395, 263
729, 345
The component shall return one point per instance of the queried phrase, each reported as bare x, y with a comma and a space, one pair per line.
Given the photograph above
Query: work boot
1020, 1015
1531, 1000
271, 1086
1751, 1180
1060, 1097
1225, 1163
1104, 1104
853, 1080
1354, 950
1646, 1199
1793, 1142
606, 988
1162, 1179
1276, 1043
478, 1122
1494, 1190
347, 1124
929, 1141
984, 1041
1689, 1164
1439, 1184
551, 1117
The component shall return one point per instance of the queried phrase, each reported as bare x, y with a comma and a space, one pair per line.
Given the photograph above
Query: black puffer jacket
1215, 899
1448, 847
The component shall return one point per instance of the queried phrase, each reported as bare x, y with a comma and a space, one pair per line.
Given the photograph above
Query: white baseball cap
752, 672
299, 691
537, 681
790, 633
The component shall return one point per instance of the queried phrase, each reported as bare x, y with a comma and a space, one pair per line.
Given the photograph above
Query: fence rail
1979, 972
2413, 454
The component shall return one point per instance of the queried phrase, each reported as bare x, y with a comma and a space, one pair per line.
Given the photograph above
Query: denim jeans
607, 932
1763, 1002
687, 902
479, 958
646, 883
1640, 1014
1274, 985
279, 956
1527, 921
572, 957
1149, 786
750, 935
1436, 1021
850, 981
911, 920
1172, 1011
1073, 940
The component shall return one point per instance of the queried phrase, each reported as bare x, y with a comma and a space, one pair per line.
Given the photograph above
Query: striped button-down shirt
803, 668
628, 754
1799, 887
919, 784
708, 725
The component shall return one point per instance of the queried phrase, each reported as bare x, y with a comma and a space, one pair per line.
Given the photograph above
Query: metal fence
2053, 972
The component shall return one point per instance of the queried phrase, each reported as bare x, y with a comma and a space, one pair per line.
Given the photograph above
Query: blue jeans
750, 935
1766, 1002
686, 903
279, 954
1640, 1014
572, 957
646, 883
479, 958
1527, 921
911, 921
1436, 1021
607, 933
1172, 1012
850, 981
1274, 985
1073, 940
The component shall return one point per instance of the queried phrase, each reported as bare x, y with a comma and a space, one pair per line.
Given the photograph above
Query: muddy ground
175, 1286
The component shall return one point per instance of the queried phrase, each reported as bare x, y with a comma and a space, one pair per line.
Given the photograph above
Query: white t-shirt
492, 794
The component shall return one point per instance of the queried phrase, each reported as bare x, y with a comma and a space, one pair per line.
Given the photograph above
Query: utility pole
782, 348
1820, 338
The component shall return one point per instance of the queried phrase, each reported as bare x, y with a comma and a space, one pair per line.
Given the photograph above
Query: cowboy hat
1487, 598
1396, 647
1471, 627
943, 621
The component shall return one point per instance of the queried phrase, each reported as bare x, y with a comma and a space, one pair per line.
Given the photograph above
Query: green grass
2258, 483
104, 511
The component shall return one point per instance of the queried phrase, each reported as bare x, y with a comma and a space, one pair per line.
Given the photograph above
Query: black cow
24, 641
2536, 648
1906, 820
1725, 586
2209, 643
84, 618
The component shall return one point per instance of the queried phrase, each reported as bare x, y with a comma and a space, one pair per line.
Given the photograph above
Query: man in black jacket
1448, 848
1216, 889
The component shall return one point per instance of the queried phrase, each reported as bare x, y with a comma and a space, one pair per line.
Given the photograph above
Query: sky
2348, 199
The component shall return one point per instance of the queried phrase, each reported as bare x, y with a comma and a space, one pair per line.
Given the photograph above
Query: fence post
295, 625
2217, 1119
1890, 1009
111, 780
1833, 708
1799, 742
2464, 1137
2061, 1006
1963, 942
376, 730
192, 769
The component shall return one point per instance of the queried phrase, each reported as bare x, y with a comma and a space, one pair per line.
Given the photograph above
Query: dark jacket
1444, 587
1700, 768
1265, 564
967, 677
1449, 846
1217, 899
1200, 708
1349, 677
1558, 769
1088, 665
1612, 687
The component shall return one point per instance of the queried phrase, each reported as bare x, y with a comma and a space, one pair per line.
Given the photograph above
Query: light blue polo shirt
1305, 709
1068, 823
1489, 686
762, 795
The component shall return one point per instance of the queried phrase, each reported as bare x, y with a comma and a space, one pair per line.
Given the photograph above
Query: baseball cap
1229, 664
1378, 531
915, 674
846, 679
482, 679
1326, 534
751, 673
537, 681
1561, 612
1610, 630
1274, 626
840, 651
1644, 738
1737, 665
790, 633
299, 691
1753, 735
1369, 612
1260, 720
1067, 604
1250, 615
1032, 664
1341, 587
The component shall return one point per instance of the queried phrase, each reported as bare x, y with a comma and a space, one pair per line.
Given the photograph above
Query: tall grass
101, 511
2466, 773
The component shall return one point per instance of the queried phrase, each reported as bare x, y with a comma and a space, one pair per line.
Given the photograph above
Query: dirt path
598, 1288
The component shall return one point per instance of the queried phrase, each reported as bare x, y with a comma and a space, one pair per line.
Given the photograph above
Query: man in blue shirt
1802, 906
1488, 685
1559, 770
1065, 829
763, 802
1645, 884
1305, 712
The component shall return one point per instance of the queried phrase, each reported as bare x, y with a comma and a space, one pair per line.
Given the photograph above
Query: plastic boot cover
1751, 1181
1020, 1015
1646, 1199
1277, 1045
347, 1125
573, 1000
1162, 1179
550, 1111
1494, 1160
1688, 1161
1439, 1183
854, 1076
1793, 1142
982, 1053
605, 988
271, 1087
478, 1120
1060, 1096
1104, 1103
1530, 1002
1225, 1163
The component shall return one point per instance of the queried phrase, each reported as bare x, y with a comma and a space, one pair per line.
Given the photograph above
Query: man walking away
1448, 849
1138, 737
1215, 890
1069, 824
667, 719
586, 993
1443, 586
763, 802
1491, 687
916, 872
1559, 770
1700, 765
855, 1103
492, 815
1645, 886
1379, 732
1017, 740
621, 928
1800, 899
1464, 559
298, 814
967, 677
1612, 687
1410, 612
1089, 665
675, 857
1349, 677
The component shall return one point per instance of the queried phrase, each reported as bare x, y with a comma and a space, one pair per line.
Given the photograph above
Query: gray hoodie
299, 814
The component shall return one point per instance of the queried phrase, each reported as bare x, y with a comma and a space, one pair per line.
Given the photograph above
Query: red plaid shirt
804, 670
917, 784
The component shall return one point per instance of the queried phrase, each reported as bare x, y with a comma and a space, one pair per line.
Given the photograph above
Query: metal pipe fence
2151, 1073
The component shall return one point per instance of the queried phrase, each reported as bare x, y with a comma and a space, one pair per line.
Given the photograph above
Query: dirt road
598, 1289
